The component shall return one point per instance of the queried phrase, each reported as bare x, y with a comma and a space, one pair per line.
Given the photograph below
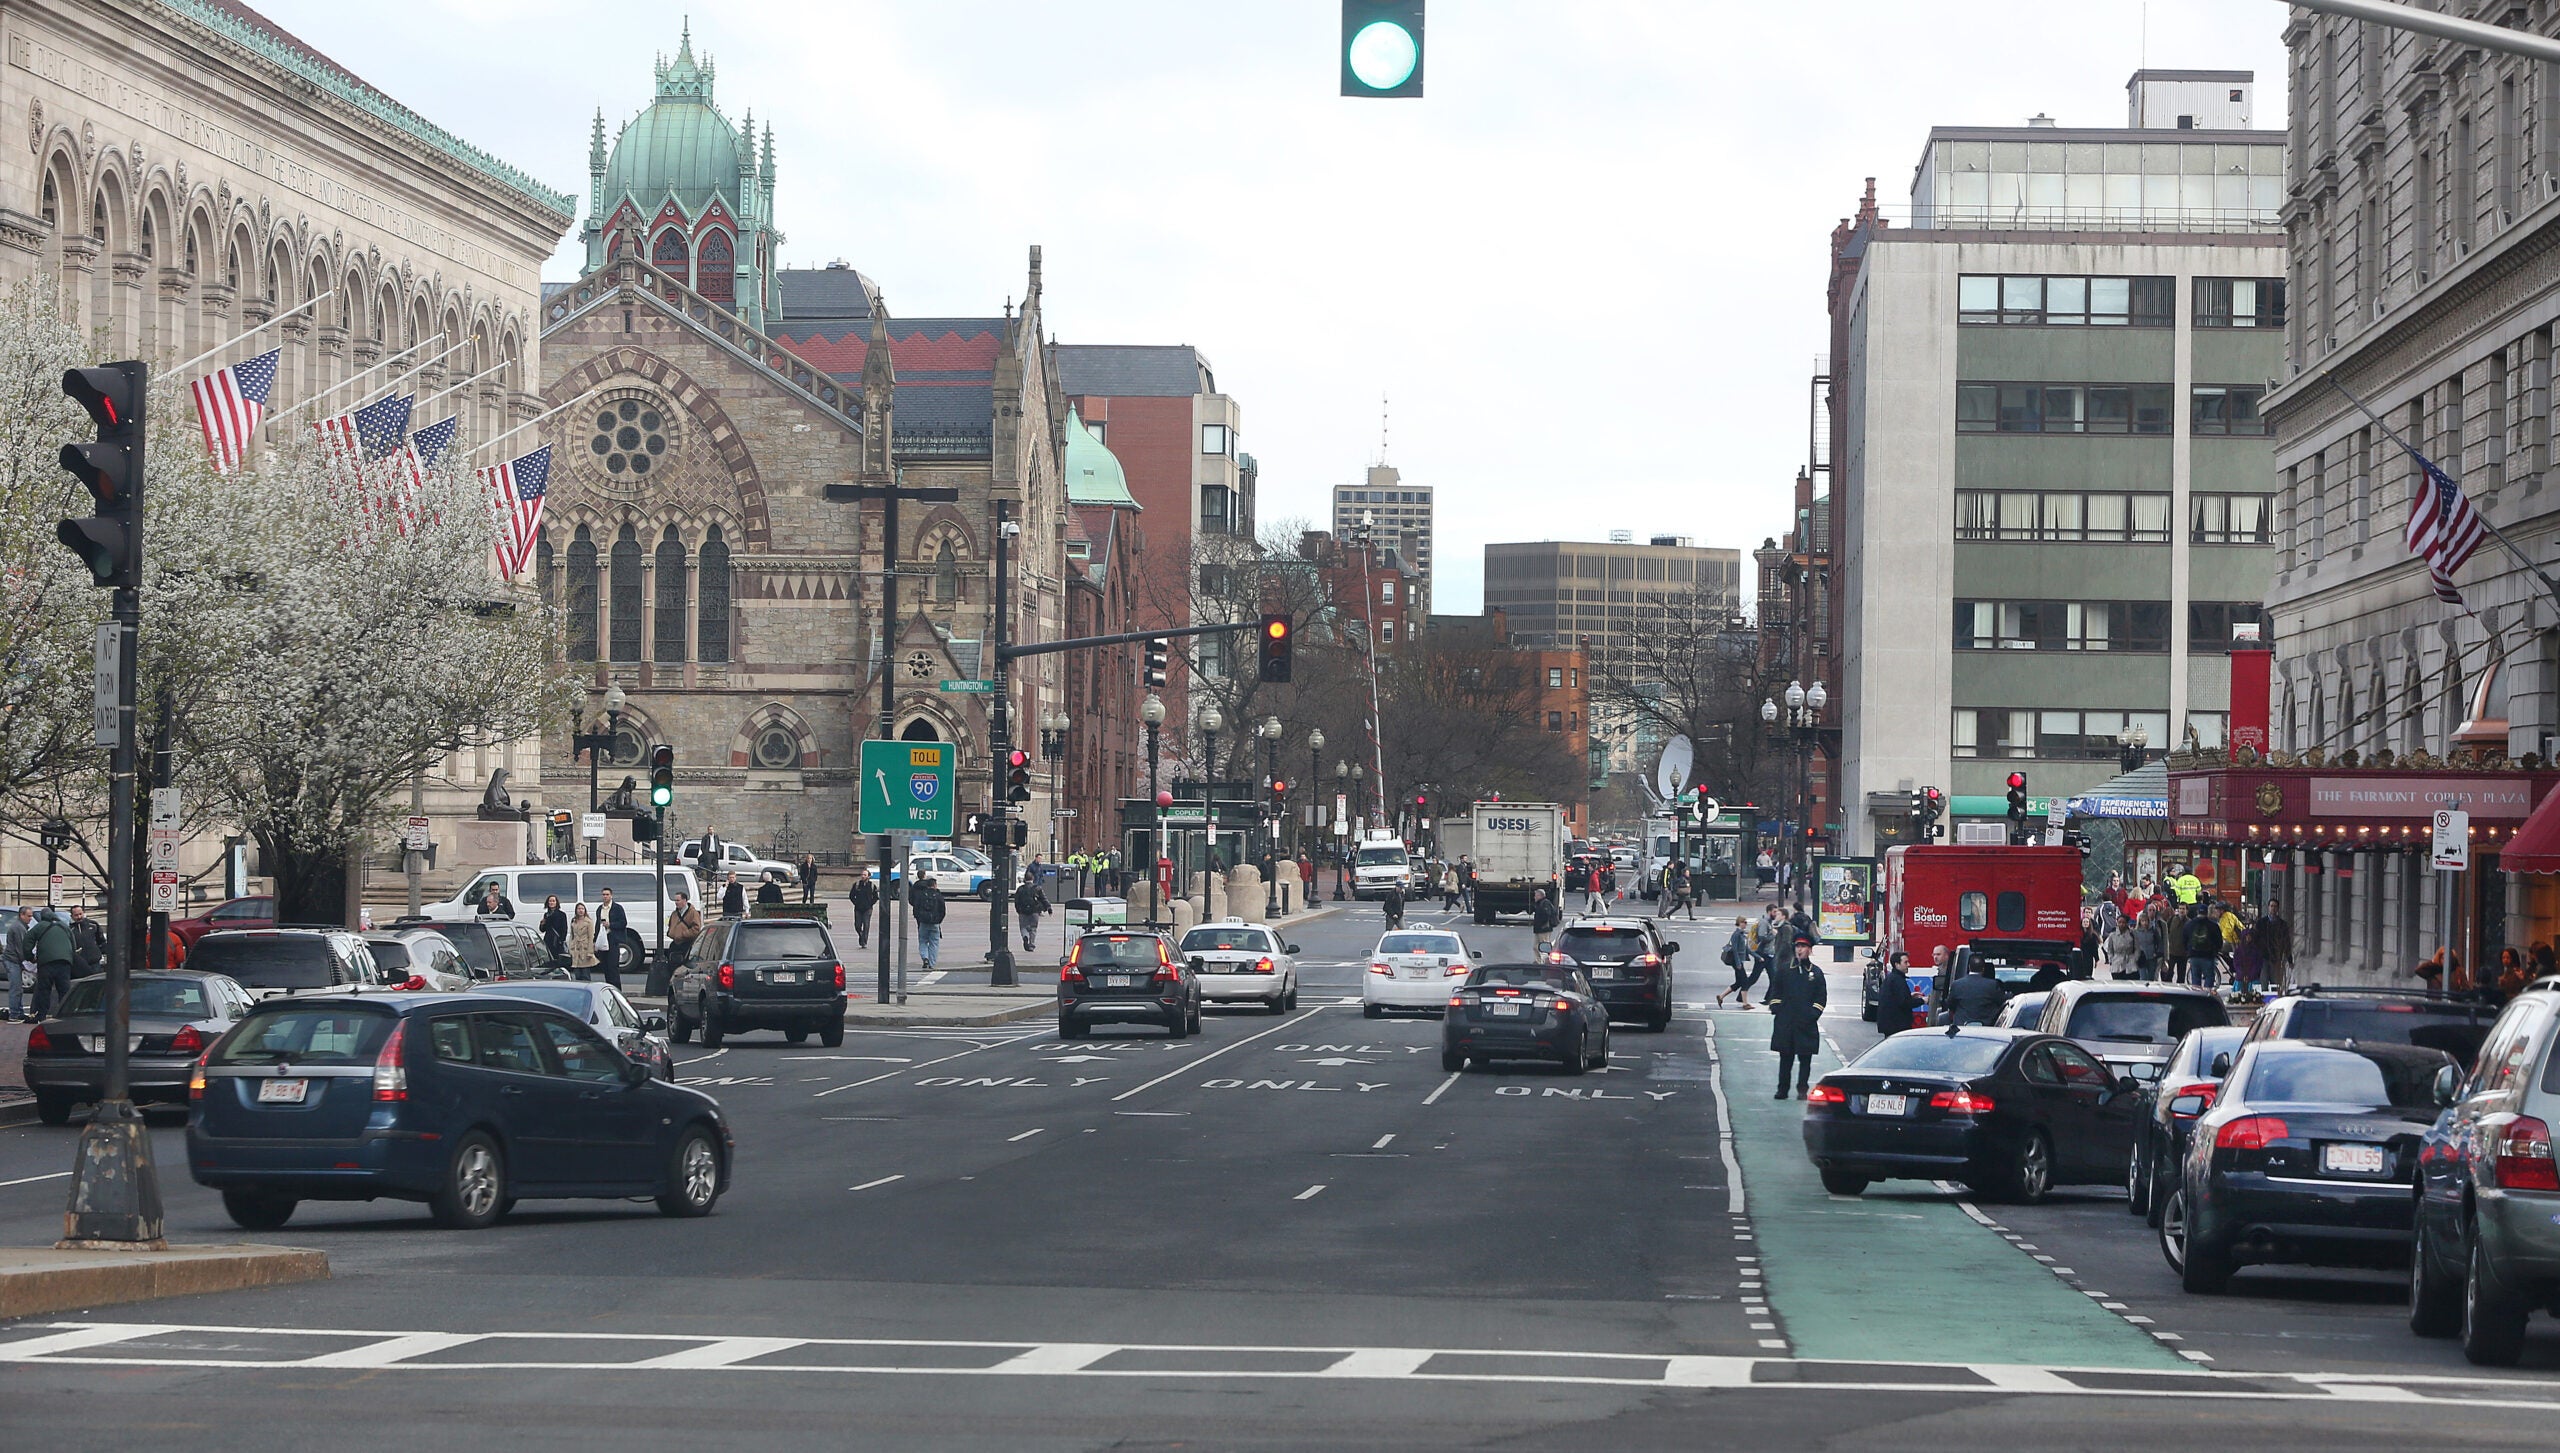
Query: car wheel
2492, 1316
256, 1211
712, 1033
2137, 1178
1601, 1061
1373, 1011
1580, 1060
1293, 996
795, 1036
1452, 1062
693, 1175
831, 1033
1070, 1028
474, 1192
2200, 1270
2031, 1170
1661, 1020
1842, 1183
987, 894
2435, 1302
1279, 1004
679, 1028
1195, 1016
53, 1107
1180, 1026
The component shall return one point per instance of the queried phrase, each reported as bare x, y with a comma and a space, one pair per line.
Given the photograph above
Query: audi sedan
2008, 1112
642, 1038
1411, 971
1525, 1011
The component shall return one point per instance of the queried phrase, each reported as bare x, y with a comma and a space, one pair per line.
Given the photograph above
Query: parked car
175, 1015
2132, 1027
2308, 1155
1525, 1011
283, 961
2188, 1082
1413, 969
1242, 963
642, 1038
2487, 1232
2020, 1012
2009, 1112
1123, 976
2376, 1016
735, 858
418, 958
495, 948
1628, 962
257, 911
760, 973
468, 1102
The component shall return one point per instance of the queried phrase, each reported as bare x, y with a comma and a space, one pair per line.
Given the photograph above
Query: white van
1382, 862
634, 886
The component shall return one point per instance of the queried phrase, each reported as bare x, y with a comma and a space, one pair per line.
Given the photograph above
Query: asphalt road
1290, 1232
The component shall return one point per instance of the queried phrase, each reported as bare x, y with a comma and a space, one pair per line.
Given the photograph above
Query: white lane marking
1381, 1145
869, 1185
884, 1074
392, 1350
1379, 1362
1309, 1194
726, 1352
2026, 1379
1056, 1357
929, 980
697, 1059
1026, 1135
1735, 1201
1213, 1054
1444, 1088
78, 1339
31, 1180
885, 1059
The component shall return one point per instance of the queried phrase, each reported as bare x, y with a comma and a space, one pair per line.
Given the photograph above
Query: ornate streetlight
1152, 713
1212, 721
1804, 720
595, 745
1271, 730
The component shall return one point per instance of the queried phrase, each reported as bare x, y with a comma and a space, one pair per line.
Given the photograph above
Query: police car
1240, 962
959, 872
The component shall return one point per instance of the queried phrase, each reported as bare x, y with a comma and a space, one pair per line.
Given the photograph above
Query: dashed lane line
1442, 1090
1026, 1135
1309, 1194
31, 1180
875, 1185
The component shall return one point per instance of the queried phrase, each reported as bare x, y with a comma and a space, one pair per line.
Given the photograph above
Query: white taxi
1242, 963
1414, 969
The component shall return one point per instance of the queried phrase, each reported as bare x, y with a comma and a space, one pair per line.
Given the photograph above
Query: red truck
1946, 896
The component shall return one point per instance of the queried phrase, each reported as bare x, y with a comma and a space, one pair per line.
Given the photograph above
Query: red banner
2250, 670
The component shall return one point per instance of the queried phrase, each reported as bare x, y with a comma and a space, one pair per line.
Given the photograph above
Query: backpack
1728, 953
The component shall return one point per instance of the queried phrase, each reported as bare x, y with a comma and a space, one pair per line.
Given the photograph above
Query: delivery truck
1948, 896
1519, 849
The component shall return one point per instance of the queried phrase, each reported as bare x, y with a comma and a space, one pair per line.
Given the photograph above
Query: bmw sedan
2008, 1112
1525, 1011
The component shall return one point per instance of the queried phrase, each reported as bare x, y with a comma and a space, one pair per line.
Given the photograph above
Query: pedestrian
1393, 904
555, 931
1797, 996
733, 898
2202, 945
1765, 867
1467, 882
2121, 950
88, 943
613, 933
55, 953
1976, 996
2248, 964
2188, 887
2540, 962
1448, 887
1544, 917
2511, 974
2048, 976
864, 896
2150, 941
769, 890
1028, 904
582, 944
494, 903
1742, 955
684, 925
925, 906
1895, 1004
2275, 945
1608, 886
1683, 886
808, 878
17, 960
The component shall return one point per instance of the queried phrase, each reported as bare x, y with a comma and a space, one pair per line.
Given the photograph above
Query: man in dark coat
1976, 997
53, 951
1895, 1003
613, 927
1797, 996
1394, 904
926, 907
865, 896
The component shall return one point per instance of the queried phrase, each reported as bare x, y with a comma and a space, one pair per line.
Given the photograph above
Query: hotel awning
2349, 808
2536, 846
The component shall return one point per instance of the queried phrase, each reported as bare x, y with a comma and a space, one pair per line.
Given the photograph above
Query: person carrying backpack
1028, 904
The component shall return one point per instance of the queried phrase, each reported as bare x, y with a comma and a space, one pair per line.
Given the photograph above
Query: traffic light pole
1000, 967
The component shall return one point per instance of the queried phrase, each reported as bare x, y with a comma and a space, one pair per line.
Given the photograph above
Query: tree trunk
311, 884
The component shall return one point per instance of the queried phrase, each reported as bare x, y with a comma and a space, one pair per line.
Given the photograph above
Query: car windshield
391, 958
1217, 940
1953, 1054
1553, 976
479, 949
317, 1034
572, 997
259, 961
781, 941
1382, 857
1101, 951
1422, 943
152, 999
2456, 1029
2343, 1077
2140, 1018
1605, 945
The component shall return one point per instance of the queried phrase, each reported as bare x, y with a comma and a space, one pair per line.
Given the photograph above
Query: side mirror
1291, 948
653, 1023
1671, 948
2128, 1085
1476, 952
634, 1073
1198, 965
2221, 1066
2448, 1085
2187, 1106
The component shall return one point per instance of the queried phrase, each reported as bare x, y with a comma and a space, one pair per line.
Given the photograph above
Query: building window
2239, 302
2057, 625
1555, 721
2229, 519
1215, 439
2044, 408
669, 254
1100, 429
2062, 515
2228, 409
582, 596
711, 604
775, 749
667, 644
1387, 631
946, 575
630, 437
1555, 677
2100, 302
2065, 735
1387, 592
717, 278
2209, 623
2209, 727
626, 596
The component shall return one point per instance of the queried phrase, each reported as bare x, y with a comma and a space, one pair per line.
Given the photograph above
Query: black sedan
1525, 1011
176, 1015
2188, 1081
642, 1038
2308, 1155
2006, 1111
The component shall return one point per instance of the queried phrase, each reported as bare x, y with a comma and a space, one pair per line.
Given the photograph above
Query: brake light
1826, 1094
1455, 971
195, 1081
1559, 1005
189, 1040
727, 978
1961, 1102
1381, 968
1265, 966
1068, 973
1457, 1001
2203, 1090
1648, 961
2252, 1132
1557, 957
38, 1042
390, 1076
2524, 1157
1508, 993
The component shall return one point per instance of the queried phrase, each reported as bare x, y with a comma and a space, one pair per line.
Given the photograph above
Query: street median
38, 1282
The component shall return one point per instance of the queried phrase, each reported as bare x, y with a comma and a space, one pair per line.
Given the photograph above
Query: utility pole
1000, 750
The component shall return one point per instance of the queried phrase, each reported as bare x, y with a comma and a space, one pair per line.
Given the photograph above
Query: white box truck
1519, 849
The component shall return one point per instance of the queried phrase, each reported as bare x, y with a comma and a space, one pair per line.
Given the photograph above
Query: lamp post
1152, 713
595, 745
1053, 745
1271, 730
2132, 748
1306, 818
1804, 720
1341, 789
1212, 721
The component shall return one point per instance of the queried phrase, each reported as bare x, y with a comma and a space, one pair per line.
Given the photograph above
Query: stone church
699, 541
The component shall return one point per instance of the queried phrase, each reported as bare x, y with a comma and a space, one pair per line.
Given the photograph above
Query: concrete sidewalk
35, 1282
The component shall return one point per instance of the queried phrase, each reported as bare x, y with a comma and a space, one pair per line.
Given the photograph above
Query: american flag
516, 489
2443, 527
230, 402
430, 442
376, 431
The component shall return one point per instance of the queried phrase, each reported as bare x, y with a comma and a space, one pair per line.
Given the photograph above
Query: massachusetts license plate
1511, 1011
97, 1043
1888, 1105
1417, 973
783, 976
2355, 1159
282, 1092
1603, 972
1118, 981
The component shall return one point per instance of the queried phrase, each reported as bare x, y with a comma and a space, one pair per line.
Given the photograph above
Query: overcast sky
1586, 270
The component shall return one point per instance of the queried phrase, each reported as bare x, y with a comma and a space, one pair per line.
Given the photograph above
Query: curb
34, 1283
20, 1112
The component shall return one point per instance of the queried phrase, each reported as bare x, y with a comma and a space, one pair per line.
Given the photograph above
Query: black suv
2376, 1016
1628, 962
1128, 975
760, 973
494, 948
273, 961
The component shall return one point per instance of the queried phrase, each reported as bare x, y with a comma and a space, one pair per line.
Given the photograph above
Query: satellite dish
1671, 773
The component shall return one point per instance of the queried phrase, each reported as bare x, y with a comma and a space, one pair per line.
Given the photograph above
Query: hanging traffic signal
644, 829
2017, 804
1021, 833
1276, 633
1018, 776
662, 777
1279, 791
1382, 48
1159, 650
110, 540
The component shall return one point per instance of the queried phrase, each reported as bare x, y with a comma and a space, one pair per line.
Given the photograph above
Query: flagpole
2521, 558
466, 383
170, 374
394, 385
358, 378
538, 418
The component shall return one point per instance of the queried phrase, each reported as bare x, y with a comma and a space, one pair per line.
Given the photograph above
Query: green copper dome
1094, 476
680, 144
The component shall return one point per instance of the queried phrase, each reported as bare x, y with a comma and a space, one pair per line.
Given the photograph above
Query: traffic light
2017, 804
1158, 651
1276, 633
1382, 48
1279, 793
110, 540
644, 829
1017, 778
1021, 833
662, 777
1933, 805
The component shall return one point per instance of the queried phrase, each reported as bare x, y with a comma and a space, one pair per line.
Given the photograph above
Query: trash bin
1085, 913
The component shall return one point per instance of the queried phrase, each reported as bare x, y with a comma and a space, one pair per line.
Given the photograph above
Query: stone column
300, 363
169, 326
213, 301
126, 307
329, 360
79, 277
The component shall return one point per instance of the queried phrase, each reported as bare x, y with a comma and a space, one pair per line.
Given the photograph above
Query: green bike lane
1895, 1275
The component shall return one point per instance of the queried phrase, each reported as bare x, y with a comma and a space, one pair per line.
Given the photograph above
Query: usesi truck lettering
1505, 824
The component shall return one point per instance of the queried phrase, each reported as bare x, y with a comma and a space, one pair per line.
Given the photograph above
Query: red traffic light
2017, 779
1018, 758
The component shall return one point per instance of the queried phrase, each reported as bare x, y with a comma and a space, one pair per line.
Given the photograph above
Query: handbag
1728, 953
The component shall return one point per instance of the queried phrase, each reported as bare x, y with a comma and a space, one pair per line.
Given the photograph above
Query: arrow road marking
1334, 1060
1079, 1059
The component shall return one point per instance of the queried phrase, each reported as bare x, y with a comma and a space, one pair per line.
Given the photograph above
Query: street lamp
2132, 748
1053, 745
1152, 713
595, 745
1804, 719
1212, 721
1315, 774
1341, 789
1271, 730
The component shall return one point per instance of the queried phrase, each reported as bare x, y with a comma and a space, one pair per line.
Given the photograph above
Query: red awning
2536, 846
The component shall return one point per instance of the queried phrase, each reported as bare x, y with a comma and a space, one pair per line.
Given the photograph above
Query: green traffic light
1383, 55
661, 796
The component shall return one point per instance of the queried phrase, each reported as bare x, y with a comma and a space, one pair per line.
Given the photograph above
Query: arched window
626, 596
669, 646
544, 559
946, 575
50, 201
231, 266
717, 276
668, 252
150, 237
919, 730
712, 600
582, 597
98, 217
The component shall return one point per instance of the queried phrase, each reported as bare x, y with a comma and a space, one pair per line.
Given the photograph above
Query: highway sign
907, 787
979, 688
2453, 840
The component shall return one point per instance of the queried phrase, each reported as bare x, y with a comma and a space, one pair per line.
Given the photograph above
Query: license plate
1118, 981
1511, 1011
2359, 1159
282, 1092
97, 1043
1603, 973
1417, 973
783, 976
1888, 1105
